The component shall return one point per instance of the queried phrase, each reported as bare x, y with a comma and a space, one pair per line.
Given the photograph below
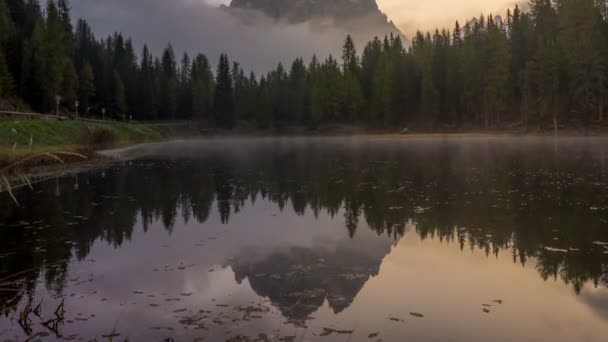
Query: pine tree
33, 66
118, 99
585, 67
185, 69
129, 73
457, 36
238, 90
263, 105
86, 89
185, 94
429, 97
55, 57
298, 91
497, 76
63, 8
69, 85
6, 81
352, 97
349, 56
168, 88
6, 33
6, 26
223, 100
202, 88
454, 78
146, 89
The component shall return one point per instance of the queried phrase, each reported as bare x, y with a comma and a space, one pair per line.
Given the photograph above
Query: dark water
315, 239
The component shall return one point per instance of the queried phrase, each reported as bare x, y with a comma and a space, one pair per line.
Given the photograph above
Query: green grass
71, 135
60, 133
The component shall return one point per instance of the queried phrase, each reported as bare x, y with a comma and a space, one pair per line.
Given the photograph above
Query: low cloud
193, 26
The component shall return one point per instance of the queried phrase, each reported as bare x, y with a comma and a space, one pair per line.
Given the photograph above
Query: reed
12, 175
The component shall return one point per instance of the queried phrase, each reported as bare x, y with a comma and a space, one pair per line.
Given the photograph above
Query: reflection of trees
520, 203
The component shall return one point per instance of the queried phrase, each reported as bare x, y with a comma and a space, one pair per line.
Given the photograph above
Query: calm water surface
306, 239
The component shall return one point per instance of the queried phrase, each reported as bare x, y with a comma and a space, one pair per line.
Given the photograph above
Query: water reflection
299, 280
539, 201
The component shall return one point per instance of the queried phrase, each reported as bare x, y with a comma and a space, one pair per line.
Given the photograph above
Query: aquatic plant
12, 176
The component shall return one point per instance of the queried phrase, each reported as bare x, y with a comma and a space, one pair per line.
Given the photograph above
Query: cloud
413, 15
195, 26
597, 300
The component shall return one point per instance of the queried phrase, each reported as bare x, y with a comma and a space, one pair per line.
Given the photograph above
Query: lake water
306, 239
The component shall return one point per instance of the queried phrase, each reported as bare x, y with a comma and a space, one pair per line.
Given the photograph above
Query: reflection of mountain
298, 280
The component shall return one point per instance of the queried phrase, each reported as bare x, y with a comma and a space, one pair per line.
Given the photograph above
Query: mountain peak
296, 11
355, 16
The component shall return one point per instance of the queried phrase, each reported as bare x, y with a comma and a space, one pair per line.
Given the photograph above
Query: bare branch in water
24, 178
54, 157
10, 190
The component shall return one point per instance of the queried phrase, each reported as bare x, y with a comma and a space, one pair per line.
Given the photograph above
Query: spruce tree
202, 86
585, 67
168, 88
69, 85
148, 109
223, 99
349, 56
86, 89
119, 98
6, 33
55, 57
184, 107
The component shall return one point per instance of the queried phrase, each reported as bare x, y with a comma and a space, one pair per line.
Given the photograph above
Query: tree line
540, 68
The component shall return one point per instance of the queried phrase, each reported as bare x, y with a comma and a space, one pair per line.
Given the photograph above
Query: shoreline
92, 140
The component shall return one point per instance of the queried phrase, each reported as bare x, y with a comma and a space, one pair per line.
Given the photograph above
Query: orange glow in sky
411, 15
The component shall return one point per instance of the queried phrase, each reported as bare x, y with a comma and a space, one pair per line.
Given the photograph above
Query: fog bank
193, 26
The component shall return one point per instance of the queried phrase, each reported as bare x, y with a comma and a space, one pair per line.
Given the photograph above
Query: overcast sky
198, 26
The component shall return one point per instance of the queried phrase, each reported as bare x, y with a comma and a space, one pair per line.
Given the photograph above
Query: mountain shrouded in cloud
257, 33
356, 16
304, 10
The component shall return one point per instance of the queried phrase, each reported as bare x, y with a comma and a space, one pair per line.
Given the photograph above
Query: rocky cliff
359, 17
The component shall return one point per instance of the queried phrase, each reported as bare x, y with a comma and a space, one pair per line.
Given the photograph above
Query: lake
306, 239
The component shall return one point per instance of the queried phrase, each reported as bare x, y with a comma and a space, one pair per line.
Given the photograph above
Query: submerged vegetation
545, 68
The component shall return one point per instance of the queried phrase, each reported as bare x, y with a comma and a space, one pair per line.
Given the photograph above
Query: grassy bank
23, 138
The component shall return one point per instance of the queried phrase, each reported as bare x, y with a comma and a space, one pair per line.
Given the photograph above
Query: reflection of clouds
118, 272
303, 205
299, 280
596, 299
